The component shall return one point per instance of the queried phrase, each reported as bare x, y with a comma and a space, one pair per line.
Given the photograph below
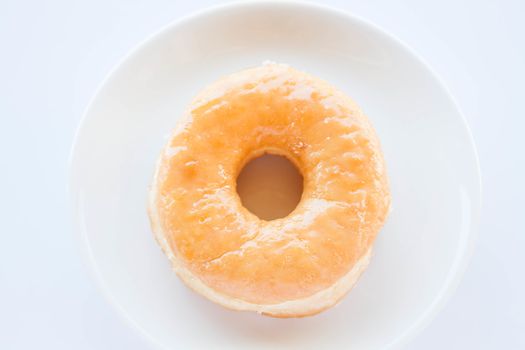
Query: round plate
420, 253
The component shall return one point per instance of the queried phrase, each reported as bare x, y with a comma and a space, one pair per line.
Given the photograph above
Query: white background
54, 54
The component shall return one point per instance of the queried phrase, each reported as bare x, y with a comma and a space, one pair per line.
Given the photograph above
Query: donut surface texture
294, 266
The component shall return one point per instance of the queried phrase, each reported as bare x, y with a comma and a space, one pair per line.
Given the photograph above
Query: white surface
54, 55
435, 185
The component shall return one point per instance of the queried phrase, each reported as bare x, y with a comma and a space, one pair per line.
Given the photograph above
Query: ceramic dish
420, 254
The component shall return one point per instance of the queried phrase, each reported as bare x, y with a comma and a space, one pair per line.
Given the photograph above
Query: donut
293, 266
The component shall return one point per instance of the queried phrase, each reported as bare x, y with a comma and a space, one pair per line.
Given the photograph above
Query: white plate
432, 164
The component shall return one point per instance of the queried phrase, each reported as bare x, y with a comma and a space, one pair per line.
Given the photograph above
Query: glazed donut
294, 266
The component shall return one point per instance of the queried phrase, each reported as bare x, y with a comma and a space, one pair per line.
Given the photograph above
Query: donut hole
270, 186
